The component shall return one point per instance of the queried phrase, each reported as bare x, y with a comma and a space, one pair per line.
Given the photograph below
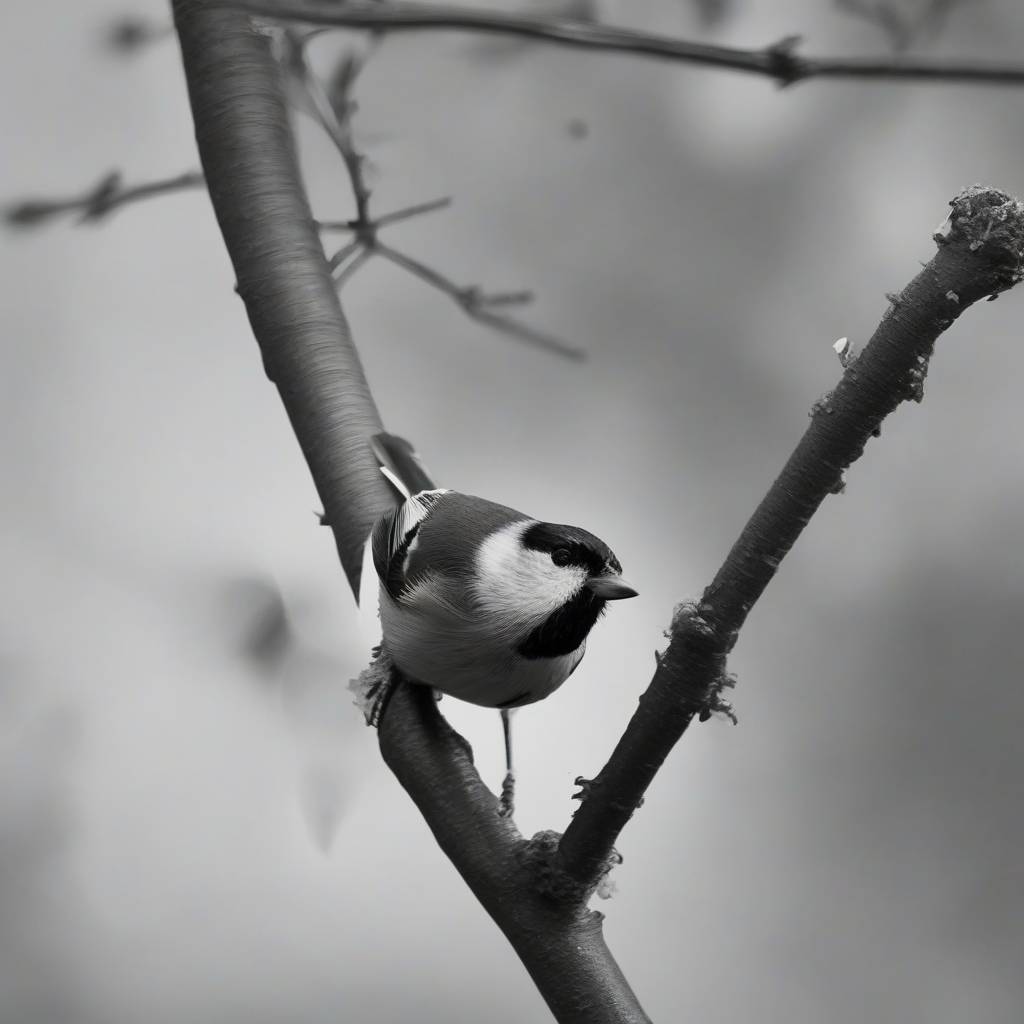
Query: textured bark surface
980, 253
248, 157
542, 913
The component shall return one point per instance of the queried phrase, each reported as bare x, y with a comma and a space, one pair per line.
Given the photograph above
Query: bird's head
548, 584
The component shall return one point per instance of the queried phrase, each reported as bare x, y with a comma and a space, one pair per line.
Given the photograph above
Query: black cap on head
582, 548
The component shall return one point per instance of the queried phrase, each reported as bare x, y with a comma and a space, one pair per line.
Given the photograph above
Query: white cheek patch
518, 583
414, 544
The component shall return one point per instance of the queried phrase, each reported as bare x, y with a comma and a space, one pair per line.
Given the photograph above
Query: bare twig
981, 253
334, 108
778, 61
347, 272
343, 254
414, 211
98, 202
475, 304
543, 914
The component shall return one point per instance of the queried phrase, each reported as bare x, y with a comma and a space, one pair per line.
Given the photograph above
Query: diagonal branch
99, 201
779, 61
980, 253
247, 152
388, 218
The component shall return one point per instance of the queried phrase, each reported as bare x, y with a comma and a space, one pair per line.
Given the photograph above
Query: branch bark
253, 177
248, 157
980, 253
779, 61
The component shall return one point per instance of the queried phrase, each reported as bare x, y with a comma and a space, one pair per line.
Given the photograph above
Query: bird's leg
508, 787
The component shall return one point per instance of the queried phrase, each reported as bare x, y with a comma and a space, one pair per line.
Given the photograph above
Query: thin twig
388, 218
343, 254
99, 201
414, 211
334, 113
474, 303
350, 270
981, 253
334, 110
778, 61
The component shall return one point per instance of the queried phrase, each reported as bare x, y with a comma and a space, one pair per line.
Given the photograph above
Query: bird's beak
611, 588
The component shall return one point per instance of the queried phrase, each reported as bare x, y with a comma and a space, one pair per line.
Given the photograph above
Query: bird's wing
401, 464
394, 536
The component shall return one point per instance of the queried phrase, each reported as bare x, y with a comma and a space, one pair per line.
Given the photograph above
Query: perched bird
478, 600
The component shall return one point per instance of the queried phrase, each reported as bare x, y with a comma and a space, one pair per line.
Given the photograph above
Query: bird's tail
401, 464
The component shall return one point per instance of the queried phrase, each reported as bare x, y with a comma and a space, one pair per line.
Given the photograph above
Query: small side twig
475, 303
99, 201
334, 108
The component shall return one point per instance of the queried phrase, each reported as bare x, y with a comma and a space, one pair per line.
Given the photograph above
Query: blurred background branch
98, 202
779, 61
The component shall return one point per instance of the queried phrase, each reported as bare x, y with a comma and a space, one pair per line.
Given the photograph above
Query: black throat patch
565, 629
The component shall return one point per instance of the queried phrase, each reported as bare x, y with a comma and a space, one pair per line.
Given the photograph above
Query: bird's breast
444, 640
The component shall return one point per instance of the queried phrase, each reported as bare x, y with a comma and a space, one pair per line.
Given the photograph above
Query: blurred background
196, 825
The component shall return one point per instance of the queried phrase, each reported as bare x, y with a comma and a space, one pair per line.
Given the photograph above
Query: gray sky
192, 829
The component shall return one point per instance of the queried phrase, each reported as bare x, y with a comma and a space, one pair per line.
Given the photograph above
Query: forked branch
536, 890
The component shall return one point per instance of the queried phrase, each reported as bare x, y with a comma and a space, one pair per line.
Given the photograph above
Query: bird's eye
561, 556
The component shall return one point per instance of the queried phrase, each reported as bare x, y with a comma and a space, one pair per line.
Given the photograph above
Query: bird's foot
374, 687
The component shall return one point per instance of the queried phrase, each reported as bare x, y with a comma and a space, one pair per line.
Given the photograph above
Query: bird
480, 601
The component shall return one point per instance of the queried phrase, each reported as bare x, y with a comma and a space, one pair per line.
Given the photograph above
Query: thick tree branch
542, 914
980, 253
248, 157
779, 61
